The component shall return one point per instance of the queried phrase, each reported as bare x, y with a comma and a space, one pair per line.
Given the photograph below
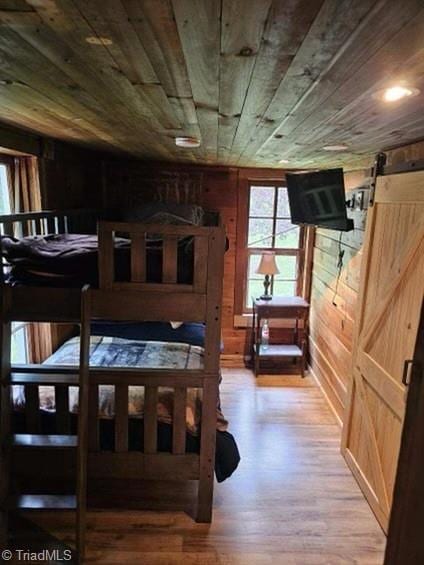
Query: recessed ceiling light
336, 147
95, 40
284, 161
395, 93
187, 142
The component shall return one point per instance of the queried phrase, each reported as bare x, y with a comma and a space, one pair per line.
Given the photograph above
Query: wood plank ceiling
256, 80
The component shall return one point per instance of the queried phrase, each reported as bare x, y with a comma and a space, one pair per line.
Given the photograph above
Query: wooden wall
219, 191
70, 176
333, 303
74, 177
333, 306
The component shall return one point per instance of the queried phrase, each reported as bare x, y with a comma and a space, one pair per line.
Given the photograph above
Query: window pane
255, 289
262, 201
283, 208
260, 233
253, 265
287, 266
287, 234
19, 345
4, 191
284, 288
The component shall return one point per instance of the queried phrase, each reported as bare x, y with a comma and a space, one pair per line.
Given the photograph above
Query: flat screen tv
318, 199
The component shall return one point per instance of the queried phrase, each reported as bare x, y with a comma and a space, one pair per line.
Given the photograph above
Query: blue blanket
191, 333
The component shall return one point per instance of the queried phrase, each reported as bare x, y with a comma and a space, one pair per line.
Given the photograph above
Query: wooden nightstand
282, 307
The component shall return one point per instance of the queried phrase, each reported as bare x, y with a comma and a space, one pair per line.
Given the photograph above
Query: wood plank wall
333, 311
72, 178
333, 303
70, 175
219, 192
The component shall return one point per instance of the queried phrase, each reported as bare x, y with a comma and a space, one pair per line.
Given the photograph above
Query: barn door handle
406, 372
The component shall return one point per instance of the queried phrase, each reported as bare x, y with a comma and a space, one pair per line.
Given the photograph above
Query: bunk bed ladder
31, 377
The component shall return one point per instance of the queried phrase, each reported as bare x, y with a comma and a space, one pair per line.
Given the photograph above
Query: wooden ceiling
256, 80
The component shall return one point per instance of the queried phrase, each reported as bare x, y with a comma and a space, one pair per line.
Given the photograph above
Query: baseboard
325, 395
236, 361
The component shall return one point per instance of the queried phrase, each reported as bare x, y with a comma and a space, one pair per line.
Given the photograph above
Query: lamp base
267, 284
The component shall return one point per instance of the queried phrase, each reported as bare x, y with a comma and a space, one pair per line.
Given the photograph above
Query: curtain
26, 185
26, 197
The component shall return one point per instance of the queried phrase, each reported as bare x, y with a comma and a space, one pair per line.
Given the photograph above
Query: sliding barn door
390, 296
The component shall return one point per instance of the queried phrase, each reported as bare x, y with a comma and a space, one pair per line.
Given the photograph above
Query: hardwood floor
291, 502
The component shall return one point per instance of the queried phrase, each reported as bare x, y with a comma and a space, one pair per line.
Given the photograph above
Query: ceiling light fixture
187, 142
284, 161
395, 93
336, 147
95, 40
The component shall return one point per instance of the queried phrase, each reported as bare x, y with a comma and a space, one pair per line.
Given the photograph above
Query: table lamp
267, 266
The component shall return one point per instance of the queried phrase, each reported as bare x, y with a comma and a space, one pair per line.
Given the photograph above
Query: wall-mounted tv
318, 199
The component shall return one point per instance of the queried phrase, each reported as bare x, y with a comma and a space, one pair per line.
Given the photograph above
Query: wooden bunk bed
133, 300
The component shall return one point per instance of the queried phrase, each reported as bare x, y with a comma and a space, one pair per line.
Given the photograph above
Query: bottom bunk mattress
107, 351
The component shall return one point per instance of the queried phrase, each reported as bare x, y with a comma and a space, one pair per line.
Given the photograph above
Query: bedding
191, 333
71, 259
118, 352
227, 456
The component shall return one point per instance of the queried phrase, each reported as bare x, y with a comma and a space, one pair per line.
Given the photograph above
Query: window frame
8, 162
243, 252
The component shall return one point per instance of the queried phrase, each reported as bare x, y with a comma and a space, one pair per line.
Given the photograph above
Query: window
5, 207
19, 343
264, 225
19, 353
270, 227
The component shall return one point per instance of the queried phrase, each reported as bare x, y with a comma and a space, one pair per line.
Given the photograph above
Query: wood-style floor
291, 502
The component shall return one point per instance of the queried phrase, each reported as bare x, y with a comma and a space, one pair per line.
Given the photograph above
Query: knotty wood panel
334, 304
255, 81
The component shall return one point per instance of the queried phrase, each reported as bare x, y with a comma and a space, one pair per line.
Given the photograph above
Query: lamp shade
267, 265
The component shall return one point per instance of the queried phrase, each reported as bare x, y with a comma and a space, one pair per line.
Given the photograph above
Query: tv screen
318, 199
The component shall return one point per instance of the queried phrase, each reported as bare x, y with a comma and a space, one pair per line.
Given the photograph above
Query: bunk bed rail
133, 464
49, 221
169, 235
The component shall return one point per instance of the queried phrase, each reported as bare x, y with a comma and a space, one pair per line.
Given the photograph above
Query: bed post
5, 391
84, 373
216, 248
